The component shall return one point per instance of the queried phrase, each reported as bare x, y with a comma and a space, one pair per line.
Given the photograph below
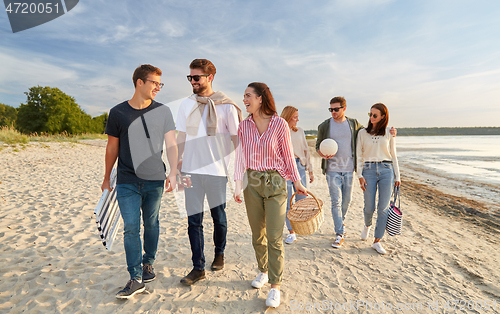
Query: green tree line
49, 110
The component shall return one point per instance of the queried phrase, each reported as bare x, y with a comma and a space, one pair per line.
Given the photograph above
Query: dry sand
52, 261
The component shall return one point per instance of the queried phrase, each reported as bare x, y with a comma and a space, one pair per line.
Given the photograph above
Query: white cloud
173, 29
33, 68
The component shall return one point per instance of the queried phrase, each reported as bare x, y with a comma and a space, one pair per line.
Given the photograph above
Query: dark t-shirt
141, 133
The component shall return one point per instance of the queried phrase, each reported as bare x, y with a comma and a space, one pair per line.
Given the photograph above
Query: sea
471, 158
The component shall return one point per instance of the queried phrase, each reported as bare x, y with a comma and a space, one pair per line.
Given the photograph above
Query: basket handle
308, 192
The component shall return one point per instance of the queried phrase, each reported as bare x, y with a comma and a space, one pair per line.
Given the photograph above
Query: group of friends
271, 161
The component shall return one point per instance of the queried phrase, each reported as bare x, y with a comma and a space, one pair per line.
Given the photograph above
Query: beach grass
9, 135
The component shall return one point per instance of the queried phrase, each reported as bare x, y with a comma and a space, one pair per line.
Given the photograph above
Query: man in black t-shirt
136, 131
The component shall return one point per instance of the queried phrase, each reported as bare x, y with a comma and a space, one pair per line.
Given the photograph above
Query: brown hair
268, 107
288, 113
203, 64
338, 99
382, 125
143, 71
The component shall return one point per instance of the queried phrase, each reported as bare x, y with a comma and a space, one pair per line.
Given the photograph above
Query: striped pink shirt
270, 151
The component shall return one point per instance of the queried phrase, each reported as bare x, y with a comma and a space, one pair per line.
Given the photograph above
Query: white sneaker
364, 233
378, 247
260, 280
338, 242
291, 238
273, 298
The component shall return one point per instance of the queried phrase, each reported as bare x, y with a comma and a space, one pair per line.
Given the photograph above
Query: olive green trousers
265, 200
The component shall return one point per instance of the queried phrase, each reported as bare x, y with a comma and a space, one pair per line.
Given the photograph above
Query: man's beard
199, 90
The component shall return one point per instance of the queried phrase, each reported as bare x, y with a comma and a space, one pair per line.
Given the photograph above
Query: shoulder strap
147, 135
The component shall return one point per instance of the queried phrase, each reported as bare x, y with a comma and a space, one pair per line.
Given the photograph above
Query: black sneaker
218, 263
194, 276
131, 288
147, 273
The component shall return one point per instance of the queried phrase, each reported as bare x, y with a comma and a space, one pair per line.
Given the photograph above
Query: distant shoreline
445, 131
470, 198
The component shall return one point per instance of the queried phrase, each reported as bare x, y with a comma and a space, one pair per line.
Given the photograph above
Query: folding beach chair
107, 214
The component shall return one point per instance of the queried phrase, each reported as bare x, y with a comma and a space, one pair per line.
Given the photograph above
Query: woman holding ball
302, 160
377, 169
265, 153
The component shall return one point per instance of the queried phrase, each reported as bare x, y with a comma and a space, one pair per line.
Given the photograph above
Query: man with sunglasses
136, 131
339, 168
207, 123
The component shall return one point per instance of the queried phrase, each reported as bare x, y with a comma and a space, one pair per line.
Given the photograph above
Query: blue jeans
340, 187
290, 189
214, 188
379, 176
131, 198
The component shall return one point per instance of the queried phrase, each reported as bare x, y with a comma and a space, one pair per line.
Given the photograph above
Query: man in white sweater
207, 122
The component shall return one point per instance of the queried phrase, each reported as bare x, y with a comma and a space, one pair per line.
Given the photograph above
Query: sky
432, 63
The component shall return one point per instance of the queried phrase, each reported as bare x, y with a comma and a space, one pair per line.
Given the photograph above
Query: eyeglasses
374, 115
158, 85
196, 78
335, 109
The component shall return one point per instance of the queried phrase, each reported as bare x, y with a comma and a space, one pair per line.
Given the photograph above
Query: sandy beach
52, 260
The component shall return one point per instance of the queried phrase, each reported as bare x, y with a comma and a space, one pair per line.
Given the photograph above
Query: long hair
288, 113
268, 107
382, 125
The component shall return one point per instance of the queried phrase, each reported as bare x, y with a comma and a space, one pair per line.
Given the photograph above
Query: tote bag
395, 215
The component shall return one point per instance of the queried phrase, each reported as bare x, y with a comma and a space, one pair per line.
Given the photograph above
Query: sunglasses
374, 115
335, 109
196, 78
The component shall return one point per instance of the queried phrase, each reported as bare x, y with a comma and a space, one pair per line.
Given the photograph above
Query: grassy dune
11, 136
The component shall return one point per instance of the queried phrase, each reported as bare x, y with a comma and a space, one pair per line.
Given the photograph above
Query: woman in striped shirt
265, 152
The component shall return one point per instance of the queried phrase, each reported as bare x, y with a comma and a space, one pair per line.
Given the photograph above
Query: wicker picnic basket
306, 215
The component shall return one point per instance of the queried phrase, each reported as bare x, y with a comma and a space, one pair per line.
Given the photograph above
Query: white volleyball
328, 147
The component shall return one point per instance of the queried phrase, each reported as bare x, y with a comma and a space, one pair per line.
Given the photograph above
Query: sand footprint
33, 238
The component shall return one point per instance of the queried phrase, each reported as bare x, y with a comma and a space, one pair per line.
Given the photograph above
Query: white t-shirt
202, 152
